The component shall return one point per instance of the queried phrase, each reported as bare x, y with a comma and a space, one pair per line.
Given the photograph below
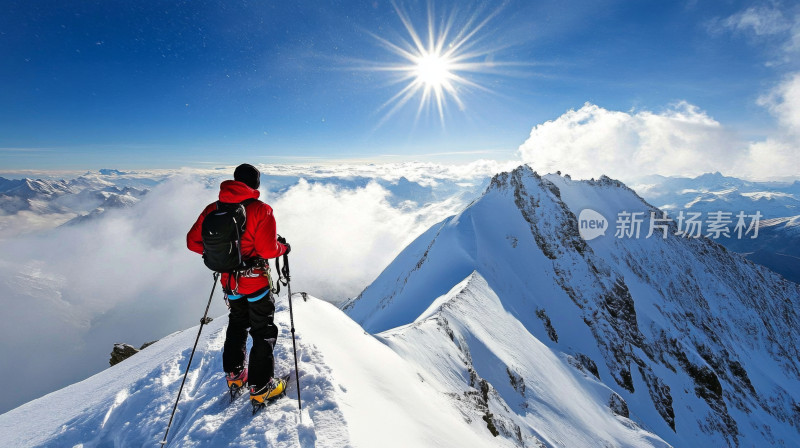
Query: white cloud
793, 43
784, 102
772, 158
779, 153
424, 173
777, 26
342, 238
26, 221
774, 25
591, 141
760, 20
70, 293
682, 141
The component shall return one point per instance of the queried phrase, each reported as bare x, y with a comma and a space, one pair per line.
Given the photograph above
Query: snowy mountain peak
673, 326
28, 188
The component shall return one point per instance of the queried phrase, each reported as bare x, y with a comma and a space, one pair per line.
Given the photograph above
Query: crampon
268, 394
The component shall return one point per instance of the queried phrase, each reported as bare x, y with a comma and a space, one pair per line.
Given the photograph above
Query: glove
282, 240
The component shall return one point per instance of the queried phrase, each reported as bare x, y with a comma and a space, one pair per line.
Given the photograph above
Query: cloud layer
784, 103
342, 238
70, 293
592, 141
683, 141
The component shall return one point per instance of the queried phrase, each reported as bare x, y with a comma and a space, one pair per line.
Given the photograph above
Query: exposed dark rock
708, 387
588, 364
445, 326
488, 417
626, 380
551, 332
124, 351
660, 394
517, 382
618, 405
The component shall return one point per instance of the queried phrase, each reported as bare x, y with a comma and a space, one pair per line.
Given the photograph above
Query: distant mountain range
715, 192
49, 203
778, 243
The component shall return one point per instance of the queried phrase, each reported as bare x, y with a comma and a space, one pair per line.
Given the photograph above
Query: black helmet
248, 174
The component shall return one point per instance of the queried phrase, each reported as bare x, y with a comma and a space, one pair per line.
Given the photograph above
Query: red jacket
260, 238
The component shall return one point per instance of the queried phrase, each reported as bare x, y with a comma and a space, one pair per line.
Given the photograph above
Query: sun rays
437, 64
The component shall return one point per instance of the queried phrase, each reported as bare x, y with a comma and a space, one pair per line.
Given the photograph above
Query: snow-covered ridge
356, 392
500, 376
700, 343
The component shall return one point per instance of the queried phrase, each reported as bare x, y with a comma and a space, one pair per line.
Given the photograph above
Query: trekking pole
294, 344
203, 321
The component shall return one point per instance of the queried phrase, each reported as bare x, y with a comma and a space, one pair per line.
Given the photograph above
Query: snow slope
356, 392
697, 344
500, 375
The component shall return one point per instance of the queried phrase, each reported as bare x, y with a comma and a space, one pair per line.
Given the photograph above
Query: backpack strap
249, 263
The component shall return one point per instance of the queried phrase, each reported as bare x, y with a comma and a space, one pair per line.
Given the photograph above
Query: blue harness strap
249, 299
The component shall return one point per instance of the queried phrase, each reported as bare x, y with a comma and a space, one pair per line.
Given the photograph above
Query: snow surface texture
688, 340
356, 392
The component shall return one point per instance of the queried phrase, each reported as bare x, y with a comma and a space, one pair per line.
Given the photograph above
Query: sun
433, 70
440, 67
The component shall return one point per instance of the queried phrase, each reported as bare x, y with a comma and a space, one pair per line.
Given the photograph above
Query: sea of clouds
71, 292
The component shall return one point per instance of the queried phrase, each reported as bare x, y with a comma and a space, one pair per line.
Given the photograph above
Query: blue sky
161, 84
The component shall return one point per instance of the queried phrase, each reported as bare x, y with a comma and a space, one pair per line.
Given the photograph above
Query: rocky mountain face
676, 336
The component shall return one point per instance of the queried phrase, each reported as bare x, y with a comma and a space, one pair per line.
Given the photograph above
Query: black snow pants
258, 317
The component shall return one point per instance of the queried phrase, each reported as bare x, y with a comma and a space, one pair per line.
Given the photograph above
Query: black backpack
222, 236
